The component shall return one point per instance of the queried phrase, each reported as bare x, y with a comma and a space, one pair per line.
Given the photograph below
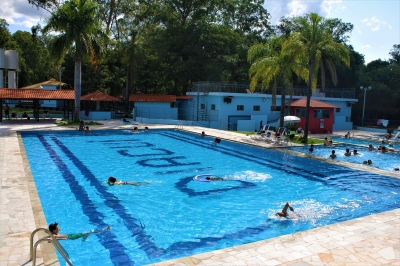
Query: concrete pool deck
370, 240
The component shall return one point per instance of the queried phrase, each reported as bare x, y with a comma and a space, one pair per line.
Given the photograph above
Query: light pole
61, 71
365, 89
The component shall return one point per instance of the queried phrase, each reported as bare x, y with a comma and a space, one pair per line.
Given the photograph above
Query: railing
207, 87
50, 239
179, 127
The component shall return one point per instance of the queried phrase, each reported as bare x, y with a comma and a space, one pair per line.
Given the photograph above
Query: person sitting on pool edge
347, 153
333, 155
113, 181
284, 212
54, 229
82, 125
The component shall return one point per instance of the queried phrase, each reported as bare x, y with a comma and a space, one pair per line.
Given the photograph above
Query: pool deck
370, 240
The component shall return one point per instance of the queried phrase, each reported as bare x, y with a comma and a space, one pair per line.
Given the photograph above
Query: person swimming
215, 178
113, 181
54, 229
284, 212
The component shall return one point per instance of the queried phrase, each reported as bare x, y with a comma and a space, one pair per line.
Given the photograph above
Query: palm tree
269, 64
312, 42
79, 28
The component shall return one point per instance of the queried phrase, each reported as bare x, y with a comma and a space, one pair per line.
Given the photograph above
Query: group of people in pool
136, 130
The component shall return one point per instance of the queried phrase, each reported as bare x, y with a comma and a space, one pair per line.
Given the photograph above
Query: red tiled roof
184, 97
99, 96
152, 98
313, 103
36, 94
50, 82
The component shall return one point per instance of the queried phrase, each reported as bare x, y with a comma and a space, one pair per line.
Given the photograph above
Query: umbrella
291, 119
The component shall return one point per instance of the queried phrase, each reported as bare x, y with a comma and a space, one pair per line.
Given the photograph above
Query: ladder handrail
57, 245
51, 239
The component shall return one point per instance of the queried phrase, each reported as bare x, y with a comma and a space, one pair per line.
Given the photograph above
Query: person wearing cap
54, 229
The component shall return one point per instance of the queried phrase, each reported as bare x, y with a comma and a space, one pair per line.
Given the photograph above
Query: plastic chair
46, 114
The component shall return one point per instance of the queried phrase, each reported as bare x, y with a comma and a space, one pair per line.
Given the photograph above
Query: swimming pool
175, 216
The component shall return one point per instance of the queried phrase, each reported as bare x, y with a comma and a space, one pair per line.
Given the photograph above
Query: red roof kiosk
321, 116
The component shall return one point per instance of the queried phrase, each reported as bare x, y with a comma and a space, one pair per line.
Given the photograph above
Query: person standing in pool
54, 229
284, 212
333, 155
347, 153
311, 149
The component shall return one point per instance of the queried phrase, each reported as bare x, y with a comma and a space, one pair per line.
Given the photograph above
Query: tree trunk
283, 95
309, 92
77, 90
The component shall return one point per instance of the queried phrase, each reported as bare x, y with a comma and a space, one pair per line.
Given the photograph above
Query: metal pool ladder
179, 126
49, 239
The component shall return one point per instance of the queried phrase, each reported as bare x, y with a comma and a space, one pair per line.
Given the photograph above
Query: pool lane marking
112, 202
279, 166
144, 241
108, 239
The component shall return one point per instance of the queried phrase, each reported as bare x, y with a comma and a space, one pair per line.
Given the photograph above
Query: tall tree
79, 29
270, 63
312, 41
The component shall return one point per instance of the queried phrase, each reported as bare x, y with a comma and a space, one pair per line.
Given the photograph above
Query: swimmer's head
111, 180
208, 178
54, 228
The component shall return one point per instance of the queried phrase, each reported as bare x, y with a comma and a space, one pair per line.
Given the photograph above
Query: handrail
50, 239
178, 126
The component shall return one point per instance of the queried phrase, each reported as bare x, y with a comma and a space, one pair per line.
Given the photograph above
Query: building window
337, 110
301, 112
275, 108
256, 108
321, 113
202, 106
240, 108
212, 106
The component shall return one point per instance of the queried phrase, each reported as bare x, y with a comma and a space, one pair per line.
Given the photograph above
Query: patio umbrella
291, 119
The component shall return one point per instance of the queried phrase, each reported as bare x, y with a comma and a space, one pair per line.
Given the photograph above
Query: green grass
30, 111
76, 124
296, 139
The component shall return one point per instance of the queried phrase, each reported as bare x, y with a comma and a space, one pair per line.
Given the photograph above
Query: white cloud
366, 46
375, 23
20, 14
285, 8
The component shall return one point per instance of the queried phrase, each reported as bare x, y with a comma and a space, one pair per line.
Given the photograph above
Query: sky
376, 22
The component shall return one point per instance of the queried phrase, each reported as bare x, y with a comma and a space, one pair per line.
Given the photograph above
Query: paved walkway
371, 240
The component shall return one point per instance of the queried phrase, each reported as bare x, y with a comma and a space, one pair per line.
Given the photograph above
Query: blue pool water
175, 216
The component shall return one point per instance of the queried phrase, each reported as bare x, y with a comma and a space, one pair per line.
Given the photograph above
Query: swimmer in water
214, 178
113, 181
54, 229
284, 212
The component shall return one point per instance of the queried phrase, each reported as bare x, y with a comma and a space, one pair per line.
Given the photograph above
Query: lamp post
365, 89
61, 71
